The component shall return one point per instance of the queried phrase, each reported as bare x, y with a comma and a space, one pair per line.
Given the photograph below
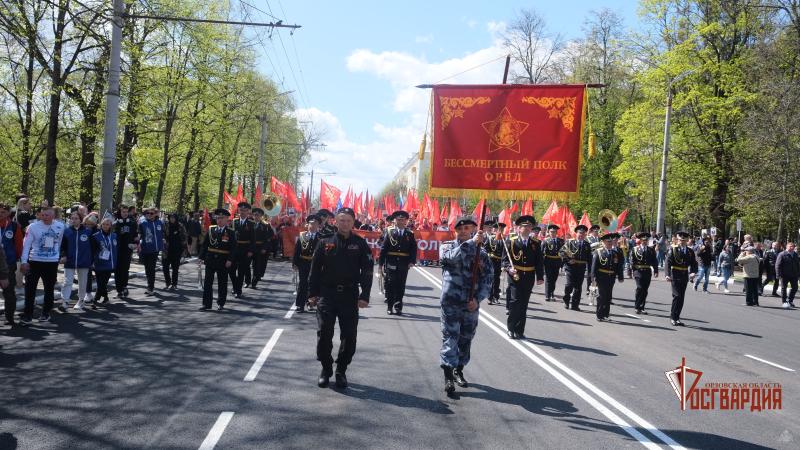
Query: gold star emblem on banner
504, 132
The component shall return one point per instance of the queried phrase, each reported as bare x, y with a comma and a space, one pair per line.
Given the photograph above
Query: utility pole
111, 125
112, 110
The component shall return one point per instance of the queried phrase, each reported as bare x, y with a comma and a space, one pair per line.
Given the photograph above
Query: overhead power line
278, 24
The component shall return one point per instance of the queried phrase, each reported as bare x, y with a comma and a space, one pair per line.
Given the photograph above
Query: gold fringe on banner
587, 118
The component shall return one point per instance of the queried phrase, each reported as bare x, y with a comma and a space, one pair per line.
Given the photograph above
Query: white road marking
499, 328
262, 357
636, 317
290, 312
770, 363
216, 431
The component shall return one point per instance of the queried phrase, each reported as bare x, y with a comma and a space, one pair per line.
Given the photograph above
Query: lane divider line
499, 328
636, 317
290, 312
216, 431
262, 357
770, 363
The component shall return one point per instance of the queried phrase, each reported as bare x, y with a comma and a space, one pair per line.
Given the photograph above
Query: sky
354, 66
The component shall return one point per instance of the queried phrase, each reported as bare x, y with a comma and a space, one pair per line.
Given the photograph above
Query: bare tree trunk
223, 174
57, 80
162, 177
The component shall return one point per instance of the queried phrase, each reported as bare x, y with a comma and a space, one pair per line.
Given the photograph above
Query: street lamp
662, 188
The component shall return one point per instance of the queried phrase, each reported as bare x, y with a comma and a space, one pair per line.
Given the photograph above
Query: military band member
527, 270
245, 248
217, 253
327, 227
552, 261
493, 245
577, 256
459, 318
301, 261
594, 238
398, 255
607, 264
680, 267
341, 264
264, 235
643, 266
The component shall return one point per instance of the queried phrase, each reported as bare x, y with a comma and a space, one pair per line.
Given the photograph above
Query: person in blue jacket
105, 250
76, 256
151, 244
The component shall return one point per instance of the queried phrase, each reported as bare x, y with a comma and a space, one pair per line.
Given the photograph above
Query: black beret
222, 212
466, 221
258, 211
348, 211
580, 228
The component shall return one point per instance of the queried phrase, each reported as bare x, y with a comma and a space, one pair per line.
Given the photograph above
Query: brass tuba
608, 220
272, 206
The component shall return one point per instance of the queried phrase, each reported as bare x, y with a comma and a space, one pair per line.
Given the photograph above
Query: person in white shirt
40, 255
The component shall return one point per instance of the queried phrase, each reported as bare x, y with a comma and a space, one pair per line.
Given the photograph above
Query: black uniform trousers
751, 286
215, 266
171, 263
770, 270
520, 293
680, 279
149, 260
122, 271
785, 283
573, 286
303, 271
10, 293
394, 283
551, 269
240, 273
47, 272
259, 267
605, 290
343, 306
498, 270
642, 278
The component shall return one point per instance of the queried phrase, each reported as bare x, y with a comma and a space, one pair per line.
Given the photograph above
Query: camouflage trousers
458, 329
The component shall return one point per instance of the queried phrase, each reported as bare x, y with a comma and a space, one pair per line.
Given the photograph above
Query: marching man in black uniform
341, 264
680, 267
607, 264
301, 261
593, 237
264, 234
398, 254
494, 248
526, 253
643, 266
217, 255
244, 250
577, 256
552, 261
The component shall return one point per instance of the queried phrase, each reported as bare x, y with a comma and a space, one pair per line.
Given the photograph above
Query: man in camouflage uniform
459, 317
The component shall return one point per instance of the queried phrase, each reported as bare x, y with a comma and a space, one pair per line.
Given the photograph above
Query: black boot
324, 377
341, 380
458, 375
449, 382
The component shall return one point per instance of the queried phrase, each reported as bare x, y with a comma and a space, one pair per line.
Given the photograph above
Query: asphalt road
154, 372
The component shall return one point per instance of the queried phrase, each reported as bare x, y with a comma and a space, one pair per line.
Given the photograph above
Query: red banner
507, 141
428, 242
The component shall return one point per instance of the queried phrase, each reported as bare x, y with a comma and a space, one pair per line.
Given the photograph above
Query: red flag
231, 201
505, 217
206, 219
527, 208
258, 195
571, 224
291, 197
303, 200
621, 219
412, 201
455, 213
514, 209
358, 204
277, 187
371, 209
240, 194
443, 215
585, 220
477, 212
551, 211
433, 216
328, 196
